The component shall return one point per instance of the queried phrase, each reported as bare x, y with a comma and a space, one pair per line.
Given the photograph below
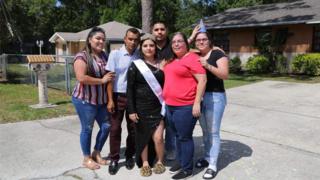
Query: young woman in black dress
144, 108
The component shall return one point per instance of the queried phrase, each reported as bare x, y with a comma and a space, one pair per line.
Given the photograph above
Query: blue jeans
170, 137
210, 121
87, 114
182, 122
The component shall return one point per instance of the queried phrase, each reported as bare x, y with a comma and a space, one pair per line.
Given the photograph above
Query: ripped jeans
87, 114
210, 121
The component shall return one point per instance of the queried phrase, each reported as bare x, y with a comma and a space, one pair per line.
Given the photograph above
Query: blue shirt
119, 62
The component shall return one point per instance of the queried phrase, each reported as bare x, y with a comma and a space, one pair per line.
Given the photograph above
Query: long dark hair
88, 49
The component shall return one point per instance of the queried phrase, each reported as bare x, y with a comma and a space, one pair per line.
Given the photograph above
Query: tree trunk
147, 12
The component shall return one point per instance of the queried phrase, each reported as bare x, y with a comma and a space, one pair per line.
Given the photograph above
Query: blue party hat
202, 26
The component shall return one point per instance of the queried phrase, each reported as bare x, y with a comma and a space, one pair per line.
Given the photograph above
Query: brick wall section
301, 41
242, 39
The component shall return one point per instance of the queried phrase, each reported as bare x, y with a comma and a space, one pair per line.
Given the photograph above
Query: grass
244, 79
16, 95
19, 73
16, 98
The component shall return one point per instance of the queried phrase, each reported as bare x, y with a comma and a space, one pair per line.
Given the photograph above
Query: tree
39, 19
191, 11
147, 14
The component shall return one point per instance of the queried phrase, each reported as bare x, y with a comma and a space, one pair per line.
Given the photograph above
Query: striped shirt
93, 94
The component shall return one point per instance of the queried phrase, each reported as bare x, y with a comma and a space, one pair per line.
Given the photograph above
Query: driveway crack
58, 129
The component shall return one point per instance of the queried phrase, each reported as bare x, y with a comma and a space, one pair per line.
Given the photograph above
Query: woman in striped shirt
91, 94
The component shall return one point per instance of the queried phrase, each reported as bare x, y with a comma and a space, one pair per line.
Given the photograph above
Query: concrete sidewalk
270, 130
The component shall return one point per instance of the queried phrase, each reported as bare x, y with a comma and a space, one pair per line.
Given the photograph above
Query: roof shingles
294, 12
114, 31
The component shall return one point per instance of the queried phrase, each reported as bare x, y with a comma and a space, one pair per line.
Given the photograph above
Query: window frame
221, 39
316, 38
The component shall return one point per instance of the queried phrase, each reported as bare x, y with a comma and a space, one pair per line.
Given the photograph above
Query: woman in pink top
185, 81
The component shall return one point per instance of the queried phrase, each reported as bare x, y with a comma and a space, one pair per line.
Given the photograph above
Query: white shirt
119, 61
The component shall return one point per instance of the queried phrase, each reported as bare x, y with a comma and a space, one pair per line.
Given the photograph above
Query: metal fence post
67, 76
3, 62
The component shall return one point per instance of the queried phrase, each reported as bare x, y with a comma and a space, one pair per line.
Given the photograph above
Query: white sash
152, 82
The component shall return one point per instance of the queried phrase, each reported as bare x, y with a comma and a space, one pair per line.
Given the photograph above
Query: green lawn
15, 97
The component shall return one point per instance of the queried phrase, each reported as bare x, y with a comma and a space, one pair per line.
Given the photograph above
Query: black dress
141, 100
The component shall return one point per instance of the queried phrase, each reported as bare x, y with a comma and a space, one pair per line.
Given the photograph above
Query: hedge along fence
308, 64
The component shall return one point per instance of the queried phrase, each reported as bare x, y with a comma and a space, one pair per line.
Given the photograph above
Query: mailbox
41, 65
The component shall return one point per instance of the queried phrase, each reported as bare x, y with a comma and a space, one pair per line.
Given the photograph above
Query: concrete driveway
270, 130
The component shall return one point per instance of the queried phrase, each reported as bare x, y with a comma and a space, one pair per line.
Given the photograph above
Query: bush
281, 64
235, 65
258, 64
308, 64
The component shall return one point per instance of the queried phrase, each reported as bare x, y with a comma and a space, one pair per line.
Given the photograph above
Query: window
263, 40
316, 39
64, 49
263, 35
221, 39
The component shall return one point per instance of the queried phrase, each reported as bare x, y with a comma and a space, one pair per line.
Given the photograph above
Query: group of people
158, 85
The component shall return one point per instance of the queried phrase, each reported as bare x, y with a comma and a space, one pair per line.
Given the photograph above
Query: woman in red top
185, 81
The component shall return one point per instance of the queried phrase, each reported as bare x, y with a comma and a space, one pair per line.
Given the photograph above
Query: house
68, 43
238, 30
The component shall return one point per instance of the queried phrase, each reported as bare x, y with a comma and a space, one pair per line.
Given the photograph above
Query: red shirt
180, 86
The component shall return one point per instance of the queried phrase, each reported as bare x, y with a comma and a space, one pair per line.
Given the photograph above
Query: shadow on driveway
230, 151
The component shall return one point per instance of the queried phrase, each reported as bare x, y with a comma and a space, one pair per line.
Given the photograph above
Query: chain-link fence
15, 69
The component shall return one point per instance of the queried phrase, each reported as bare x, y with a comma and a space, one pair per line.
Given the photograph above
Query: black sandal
201, 163
209, 174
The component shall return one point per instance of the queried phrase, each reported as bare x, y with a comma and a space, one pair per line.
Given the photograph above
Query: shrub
308, 64
235, 65
281, 64
258, 64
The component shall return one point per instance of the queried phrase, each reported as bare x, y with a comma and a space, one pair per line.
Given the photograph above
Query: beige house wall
73, 48
82, 44
241, 41
301, 39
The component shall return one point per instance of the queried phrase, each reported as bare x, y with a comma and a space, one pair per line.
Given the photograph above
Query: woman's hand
110, 106
134, 117
204, 62
194, 33
108, 77
196, 110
